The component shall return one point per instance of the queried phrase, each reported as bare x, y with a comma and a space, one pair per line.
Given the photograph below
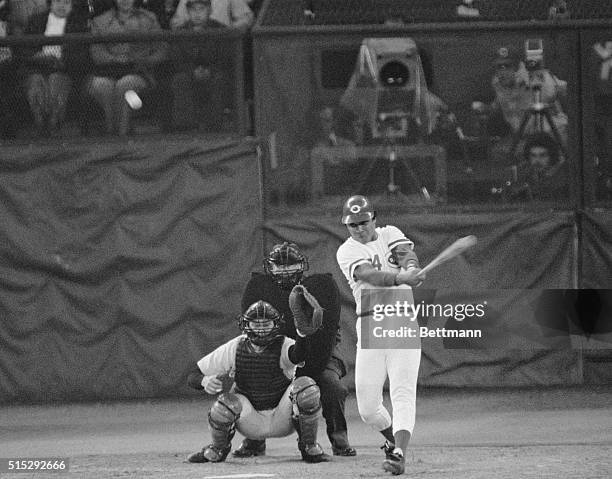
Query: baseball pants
372, 366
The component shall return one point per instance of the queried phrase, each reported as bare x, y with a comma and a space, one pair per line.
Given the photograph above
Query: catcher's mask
261, 323
286, 264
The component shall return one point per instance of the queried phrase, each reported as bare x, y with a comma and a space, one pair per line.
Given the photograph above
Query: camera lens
394, 74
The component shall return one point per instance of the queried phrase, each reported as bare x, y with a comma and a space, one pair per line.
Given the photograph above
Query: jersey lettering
376, 262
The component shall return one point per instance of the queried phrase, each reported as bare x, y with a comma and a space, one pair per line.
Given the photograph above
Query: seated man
330, 148
201, 80
123, 67
49, 71
543, 174
515, 91
232, 13
266, 400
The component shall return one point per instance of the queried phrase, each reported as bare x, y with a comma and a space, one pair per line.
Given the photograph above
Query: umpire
284, 269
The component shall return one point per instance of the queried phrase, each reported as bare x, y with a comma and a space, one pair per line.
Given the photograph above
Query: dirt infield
560, 433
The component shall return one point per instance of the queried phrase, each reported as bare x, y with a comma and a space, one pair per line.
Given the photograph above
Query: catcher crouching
266, 401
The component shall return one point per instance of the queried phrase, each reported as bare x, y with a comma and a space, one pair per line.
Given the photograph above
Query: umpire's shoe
251, 448
313, 453
347, 451
210, 454
394, 462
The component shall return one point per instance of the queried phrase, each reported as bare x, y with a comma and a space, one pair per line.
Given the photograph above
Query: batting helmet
261, 323
286, 264
357, 208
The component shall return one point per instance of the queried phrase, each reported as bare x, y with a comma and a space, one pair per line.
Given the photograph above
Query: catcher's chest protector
259, 376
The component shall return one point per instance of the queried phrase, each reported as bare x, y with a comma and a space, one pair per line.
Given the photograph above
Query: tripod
538, 112
389, 147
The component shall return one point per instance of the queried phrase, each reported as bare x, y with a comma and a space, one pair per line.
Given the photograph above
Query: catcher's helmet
261, 323
286, 264
357, 208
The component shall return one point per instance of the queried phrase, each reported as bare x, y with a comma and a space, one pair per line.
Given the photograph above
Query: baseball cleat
395, 462
388, 448
251, 448
210, 453
347, 451
313, 454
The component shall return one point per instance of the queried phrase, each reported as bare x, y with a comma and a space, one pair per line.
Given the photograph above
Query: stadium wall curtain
596, 249
121, 263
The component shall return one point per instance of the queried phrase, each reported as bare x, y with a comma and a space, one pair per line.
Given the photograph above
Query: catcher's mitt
307, 312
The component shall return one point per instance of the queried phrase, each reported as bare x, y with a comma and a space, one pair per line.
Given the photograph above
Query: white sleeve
394, 237
349, 257
222, 360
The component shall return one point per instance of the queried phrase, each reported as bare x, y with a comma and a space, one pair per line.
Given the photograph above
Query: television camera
544, 87
388, 90
389, 94
534, 54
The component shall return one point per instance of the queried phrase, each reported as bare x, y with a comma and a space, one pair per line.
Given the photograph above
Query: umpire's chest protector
259, 376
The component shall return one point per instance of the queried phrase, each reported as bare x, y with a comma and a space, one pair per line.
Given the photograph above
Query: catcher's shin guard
222, 419
306, 399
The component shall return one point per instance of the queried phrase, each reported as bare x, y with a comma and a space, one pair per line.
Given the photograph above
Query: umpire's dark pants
333, 398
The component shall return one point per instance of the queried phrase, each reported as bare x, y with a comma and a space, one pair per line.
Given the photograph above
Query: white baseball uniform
372, 366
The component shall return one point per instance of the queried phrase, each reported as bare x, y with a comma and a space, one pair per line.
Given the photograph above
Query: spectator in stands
330, 149
201, 80
121, 67
7, 78
515, 89
329, 134
89, 9
49, 71
543, 175
163, 9
558, 10
22, 10
233, 13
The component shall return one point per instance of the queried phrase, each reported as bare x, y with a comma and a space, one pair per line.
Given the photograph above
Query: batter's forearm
377, 278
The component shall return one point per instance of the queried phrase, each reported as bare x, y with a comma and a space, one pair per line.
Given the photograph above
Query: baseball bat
455, 249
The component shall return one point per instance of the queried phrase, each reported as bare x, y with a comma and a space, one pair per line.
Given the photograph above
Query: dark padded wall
121, 264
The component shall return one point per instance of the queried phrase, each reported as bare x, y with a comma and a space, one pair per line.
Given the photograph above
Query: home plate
238, 476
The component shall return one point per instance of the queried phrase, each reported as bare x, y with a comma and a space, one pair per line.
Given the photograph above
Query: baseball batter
381, 257
266, 401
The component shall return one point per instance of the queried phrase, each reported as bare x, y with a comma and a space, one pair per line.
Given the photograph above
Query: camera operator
558, 10
518, 85
542, 176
